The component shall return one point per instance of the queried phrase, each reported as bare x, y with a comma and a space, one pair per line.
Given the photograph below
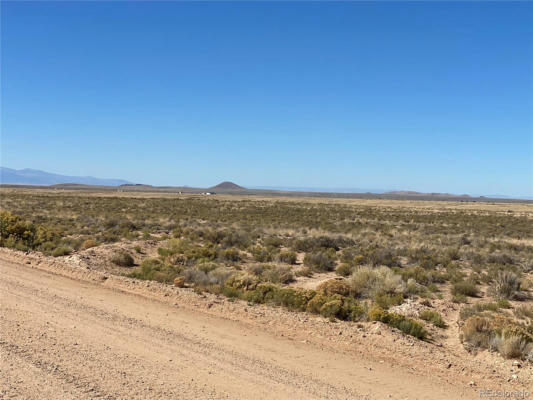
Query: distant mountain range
35, 177
320, 189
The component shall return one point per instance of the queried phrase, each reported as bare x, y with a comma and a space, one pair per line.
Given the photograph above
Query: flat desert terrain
163, 296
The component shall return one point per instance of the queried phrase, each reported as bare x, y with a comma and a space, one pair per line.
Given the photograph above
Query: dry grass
253, 247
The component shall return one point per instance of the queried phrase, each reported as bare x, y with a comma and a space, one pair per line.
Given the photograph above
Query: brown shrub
512, 346
179, 281
87, 244
476, 332
334, 286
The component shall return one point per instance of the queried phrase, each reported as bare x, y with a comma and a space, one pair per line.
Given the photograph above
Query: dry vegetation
376, 255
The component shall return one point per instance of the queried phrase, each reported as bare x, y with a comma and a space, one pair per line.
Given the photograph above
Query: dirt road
63, 338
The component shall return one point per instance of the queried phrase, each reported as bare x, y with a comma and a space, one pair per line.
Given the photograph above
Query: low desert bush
61, 251
261, 254
524, 312
196, 277
220, 275
87, 244
501, 259
17, 233
432, 316
154, 269
279, 274
319, 261
510, 346
379, 257
230, 254
344, 269
257, 269
499, 333
459, 298
241, 281
287, 257
304, 271
465, 288
477, 332
334, 286
420, 275
479, 308
207, 267
369, 282
387, 300
273, 241
401, 322
122, 259
321, 243
507, 285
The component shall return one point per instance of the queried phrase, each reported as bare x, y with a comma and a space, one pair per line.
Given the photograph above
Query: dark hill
227, 186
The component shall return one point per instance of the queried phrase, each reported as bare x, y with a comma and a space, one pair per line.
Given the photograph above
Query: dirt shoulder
72, 332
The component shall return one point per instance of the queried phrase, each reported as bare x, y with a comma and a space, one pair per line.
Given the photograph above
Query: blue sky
422, 95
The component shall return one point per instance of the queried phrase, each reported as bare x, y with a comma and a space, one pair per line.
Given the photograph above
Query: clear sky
422, 96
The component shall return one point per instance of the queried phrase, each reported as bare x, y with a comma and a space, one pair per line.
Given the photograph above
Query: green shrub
465, 288
316, 303
232, 255
401, 322
288, 257
154, 269
344, 269
122, 259
320, 261
61, 251
432, 316
293, 299
16, 232
231, 292
207, 266
321, 243
379, 257
387, 300
331, 308
459, 298
261, 254
261, 294
475, 309
273, 241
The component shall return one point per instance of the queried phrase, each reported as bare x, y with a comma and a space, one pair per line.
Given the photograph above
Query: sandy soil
71, 332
